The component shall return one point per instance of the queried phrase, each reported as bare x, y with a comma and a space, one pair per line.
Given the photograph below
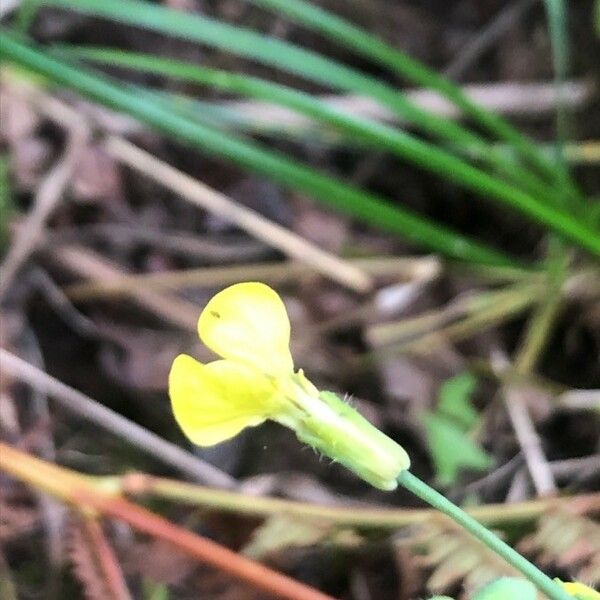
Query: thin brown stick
201, 195
504, 97
275, 273
90, 265
203, 549
209, 199
529, 441
580, 400
48, 195
501, 23
82, 405
532, 345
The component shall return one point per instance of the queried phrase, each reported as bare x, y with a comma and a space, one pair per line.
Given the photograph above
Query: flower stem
428, 494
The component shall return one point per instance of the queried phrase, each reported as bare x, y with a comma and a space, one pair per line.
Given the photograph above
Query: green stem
491, 540
556, 11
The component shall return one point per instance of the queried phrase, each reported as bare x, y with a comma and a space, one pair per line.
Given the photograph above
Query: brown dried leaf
96, 176
18, 119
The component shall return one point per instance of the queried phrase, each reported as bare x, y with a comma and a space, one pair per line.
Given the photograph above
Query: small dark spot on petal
215, 314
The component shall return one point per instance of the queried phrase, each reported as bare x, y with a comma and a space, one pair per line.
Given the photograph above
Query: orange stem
107, 561
80, 491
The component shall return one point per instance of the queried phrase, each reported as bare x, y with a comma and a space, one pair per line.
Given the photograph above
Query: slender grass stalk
286, 56
380, 517
418, 487
367, 45
364, 130
350, 200
26, 13
557, 23
6, 200
540, 324
478, 311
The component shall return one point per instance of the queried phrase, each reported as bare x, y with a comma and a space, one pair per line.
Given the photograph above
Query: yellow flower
579, 591
247, 325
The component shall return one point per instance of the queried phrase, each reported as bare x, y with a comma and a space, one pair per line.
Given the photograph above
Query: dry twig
46, 199
377, 517
505, 98
209, 199
275, 273
205, 197
80, 404
88, 264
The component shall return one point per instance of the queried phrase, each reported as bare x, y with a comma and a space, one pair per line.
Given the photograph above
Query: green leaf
380, 135
147, 108
455, 399
507, 588
364, 43
310, 65
447, 430
279, 54
370, 46
451, 449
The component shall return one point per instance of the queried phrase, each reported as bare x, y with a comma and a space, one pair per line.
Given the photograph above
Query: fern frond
85, 564
454, 557
569, 541
93, 562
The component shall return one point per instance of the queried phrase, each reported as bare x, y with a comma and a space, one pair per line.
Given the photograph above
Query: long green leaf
350, 200
290, 58
395, 141
365, 44
378, 134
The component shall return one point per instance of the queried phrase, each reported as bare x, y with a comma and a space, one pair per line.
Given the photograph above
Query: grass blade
377, 134
400, 143
557, 22
347, 199
365, 44
290, 58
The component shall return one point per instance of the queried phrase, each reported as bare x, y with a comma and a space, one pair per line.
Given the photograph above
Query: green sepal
334, 428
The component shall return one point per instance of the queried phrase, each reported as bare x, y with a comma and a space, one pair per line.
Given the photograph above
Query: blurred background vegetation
418, 179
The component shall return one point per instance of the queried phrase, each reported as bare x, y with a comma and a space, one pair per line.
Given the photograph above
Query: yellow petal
580, 591
248, 322
214, 402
